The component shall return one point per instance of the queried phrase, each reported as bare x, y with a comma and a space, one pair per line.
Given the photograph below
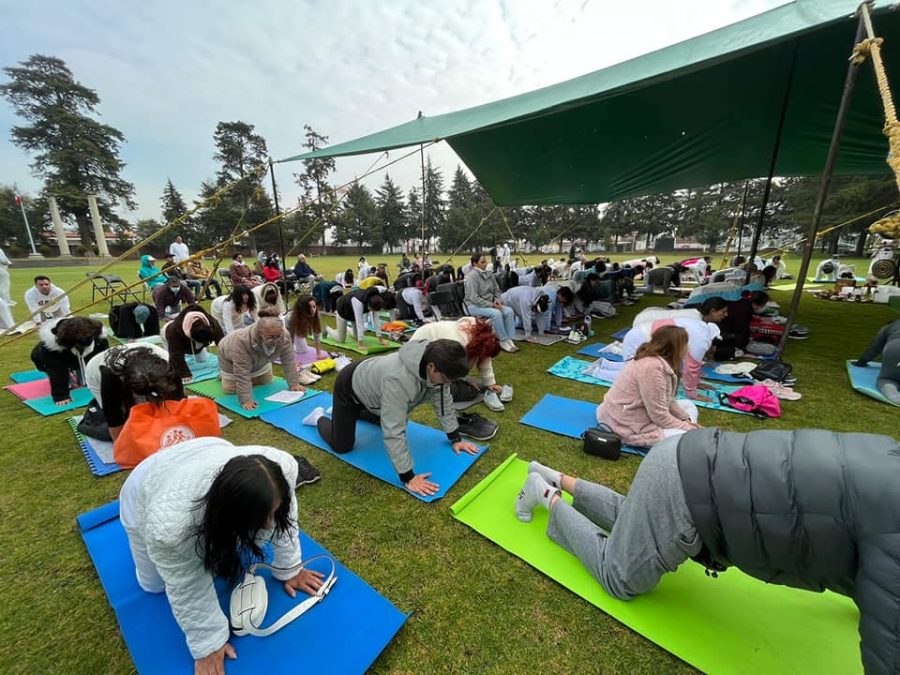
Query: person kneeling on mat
886, 343
384, 390
246, 355
808, 508
641, 406
204, 509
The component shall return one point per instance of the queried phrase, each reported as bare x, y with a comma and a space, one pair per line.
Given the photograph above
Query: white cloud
167, 72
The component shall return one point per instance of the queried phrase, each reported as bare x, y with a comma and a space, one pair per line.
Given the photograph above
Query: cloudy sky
167, 72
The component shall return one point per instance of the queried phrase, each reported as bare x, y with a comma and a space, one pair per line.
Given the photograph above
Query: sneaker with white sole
506, 393
508, 346
476, 427
492, 401
307, 377
306, 472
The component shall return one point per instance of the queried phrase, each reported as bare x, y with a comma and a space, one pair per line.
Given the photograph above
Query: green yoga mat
213, 389
370, 341
731, 624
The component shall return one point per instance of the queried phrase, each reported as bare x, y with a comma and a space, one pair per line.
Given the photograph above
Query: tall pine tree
359, 218
313, 181
74, 154
434, 204
391, 213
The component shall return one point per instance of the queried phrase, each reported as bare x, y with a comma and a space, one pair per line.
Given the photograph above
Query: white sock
552, 476
330, 408
313, 417
535, 491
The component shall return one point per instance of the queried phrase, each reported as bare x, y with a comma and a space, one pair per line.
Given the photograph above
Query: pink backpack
755, 399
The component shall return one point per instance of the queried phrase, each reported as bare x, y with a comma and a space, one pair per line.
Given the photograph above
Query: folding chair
225, 280
111, 288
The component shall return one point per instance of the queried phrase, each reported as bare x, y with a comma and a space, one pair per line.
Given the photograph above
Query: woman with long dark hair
301, 323
204, 509
641, 406
235, 310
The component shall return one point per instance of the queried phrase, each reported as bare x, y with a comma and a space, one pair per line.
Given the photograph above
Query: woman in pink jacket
641, 406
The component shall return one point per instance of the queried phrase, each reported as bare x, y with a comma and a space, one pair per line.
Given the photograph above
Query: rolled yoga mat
344, 633
727, 625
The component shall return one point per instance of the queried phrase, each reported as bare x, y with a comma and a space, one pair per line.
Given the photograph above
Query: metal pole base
35, 255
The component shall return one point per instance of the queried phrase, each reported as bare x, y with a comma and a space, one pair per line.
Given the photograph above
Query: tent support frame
825, 183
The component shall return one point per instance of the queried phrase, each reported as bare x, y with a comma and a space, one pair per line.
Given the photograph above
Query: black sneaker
476, 427
306, 472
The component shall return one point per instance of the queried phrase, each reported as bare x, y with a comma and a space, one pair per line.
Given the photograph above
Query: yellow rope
871, 47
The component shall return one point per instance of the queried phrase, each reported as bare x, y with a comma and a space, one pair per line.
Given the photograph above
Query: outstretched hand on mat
250, 405
420, 485
65, 401
308, 581
465, 446
214, 664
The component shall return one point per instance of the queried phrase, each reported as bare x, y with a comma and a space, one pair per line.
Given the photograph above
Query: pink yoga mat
29, 390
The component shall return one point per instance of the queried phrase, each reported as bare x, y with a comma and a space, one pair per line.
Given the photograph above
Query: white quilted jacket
166, 515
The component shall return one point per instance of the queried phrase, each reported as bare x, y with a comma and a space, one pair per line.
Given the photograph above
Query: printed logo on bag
176, 434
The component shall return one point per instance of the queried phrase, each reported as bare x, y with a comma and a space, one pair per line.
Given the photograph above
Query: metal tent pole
754, 243
830, 161
280, 220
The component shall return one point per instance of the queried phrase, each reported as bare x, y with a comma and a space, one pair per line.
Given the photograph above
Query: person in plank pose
384, 390
807, 508
190, 511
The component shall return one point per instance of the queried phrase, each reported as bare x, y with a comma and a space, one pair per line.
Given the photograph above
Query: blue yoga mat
344, 633
45, 405
27, 376
709, 373
594, 351
201, 371
863, 380
620, 335
95, 463
430, 448
567, 417
570, 368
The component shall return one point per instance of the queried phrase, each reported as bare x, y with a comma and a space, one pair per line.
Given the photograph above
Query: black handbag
602, 442
93, 423
771, 370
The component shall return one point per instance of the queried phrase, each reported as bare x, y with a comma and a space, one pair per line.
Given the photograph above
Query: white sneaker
492, 401
506, 393
508, 346
342, 362
307, 377
513, 346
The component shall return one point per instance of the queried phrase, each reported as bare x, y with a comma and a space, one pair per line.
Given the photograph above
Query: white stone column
98, 227
58, 228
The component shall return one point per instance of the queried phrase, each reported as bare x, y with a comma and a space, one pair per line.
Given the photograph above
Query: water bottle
587, 325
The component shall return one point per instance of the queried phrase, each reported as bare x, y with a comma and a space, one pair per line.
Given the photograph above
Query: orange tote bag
151, 427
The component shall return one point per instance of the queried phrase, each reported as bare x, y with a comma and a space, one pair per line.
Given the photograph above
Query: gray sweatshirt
887, 344
482, 289
390, 386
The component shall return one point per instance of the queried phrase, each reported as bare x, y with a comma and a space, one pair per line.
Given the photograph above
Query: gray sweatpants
651, 531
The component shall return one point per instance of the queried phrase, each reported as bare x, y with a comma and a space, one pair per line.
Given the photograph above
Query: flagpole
21, 203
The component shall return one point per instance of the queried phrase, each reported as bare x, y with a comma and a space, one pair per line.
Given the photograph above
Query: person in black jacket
735, 326
812, 509
191, 332
353, 307
65, 347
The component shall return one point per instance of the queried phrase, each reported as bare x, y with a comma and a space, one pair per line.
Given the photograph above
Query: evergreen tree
73, 153
414, 219
391, 213
173, 206
359, 218
434, 204
313, 181
460, 212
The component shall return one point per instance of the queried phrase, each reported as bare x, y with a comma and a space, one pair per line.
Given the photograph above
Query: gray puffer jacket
811, 509
391, 386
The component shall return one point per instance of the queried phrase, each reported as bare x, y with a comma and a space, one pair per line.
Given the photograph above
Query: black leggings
340, 431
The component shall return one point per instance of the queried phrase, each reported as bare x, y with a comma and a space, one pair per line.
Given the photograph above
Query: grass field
475, 608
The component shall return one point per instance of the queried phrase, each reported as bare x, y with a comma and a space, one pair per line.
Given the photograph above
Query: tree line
76, 155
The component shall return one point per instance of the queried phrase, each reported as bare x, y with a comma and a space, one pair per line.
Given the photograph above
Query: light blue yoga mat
45, 405
863, 380
344, 633
213, 389
567, 417
208, 369
27, 376
570, 368
430, 448
95, 462
594, 351
709, 373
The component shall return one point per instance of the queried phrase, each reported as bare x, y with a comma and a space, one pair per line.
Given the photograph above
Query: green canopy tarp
698, 112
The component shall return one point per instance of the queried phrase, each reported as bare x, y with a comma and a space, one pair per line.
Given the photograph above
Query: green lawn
474, 607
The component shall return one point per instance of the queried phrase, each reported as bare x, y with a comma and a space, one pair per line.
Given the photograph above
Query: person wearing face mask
246, 356
169, 297
191, 332
65, 348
